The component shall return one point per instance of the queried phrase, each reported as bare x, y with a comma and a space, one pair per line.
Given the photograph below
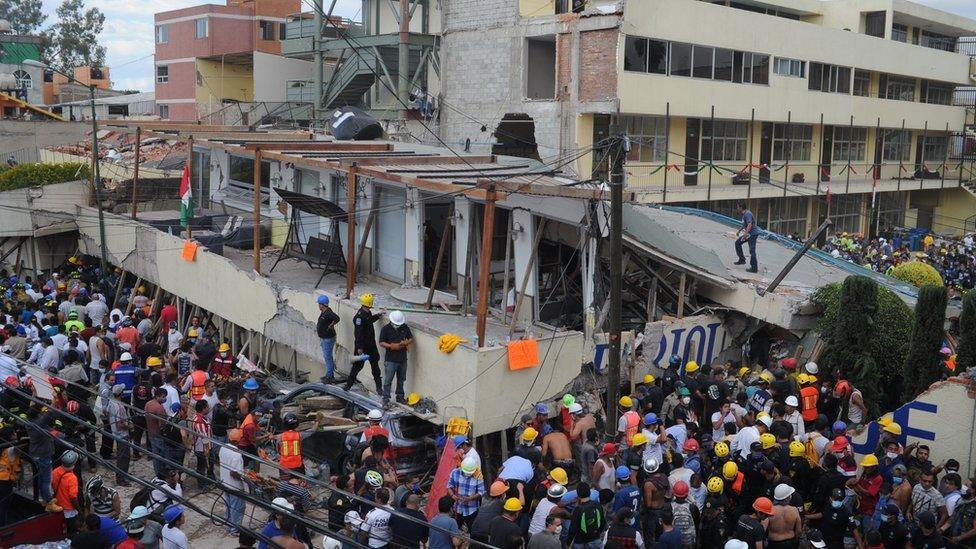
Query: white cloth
652, 449
174, 538
744, 439
231, 460
718, 434
173, 338
159, 496
377, 525
796, 420
517, 468
49, 357
96, 355
172, 395
679, 433
96, 310
8, 367
538, 522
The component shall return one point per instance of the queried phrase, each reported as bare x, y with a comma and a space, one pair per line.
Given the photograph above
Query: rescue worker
290, 445
365, 343
10, 466
629, 423
125, 374
374, 417
73, 324
223, 364
248, 400
196, 382
809, 395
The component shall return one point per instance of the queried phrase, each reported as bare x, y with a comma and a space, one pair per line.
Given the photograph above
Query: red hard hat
73, 407
839, 444
843, 388
690, 445
680, 489
789, 363
763, 505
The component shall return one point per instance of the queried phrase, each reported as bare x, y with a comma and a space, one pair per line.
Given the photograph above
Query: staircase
355, 76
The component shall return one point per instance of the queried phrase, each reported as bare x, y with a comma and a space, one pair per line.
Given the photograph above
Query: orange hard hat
842, 388
763, 505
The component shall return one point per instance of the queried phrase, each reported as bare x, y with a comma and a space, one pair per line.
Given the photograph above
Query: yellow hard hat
721, 449
366, 300
869, 460
715, 485
142, 289
529, 434
72, 260
797, 449
730, 470
885, 420
413, 399
512, 505
692, 366
766, 377
625, 402
744, 371
192, 333
768, 440
802, 379
648, 379
223, 348
811, 378
639, 438
893, 428
154, 361
559, 475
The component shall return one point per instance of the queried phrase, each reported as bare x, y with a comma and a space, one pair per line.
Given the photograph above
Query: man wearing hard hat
396, 339
365, 342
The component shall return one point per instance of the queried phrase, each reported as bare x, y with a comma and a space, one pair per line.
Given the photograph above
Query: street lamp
98, 178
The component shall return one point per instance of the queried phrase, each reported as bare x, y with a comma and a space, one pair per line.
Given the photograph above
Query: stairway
354, 77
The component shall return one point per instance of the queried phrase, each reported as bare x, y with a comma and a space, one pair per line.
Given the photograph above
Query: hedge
31, 175
917, 274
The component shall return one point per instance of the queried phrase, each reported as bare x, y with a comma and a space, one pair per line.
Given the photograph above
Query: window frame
24, 80
897, 88
798, 139
162, 33
265, 27
795, 68
729, 135
163, 111
206, 27
646, 128
162, 78
857, 140
854, 88
896, 145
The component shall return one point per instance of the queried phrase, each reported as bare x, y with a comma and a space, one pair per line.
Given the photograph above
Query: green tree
893, 322
966, 355
73, 41
923, 365
25, 16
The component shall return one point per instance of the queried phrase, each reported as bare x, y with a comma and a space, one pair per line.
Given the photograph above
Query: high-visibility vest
222, 366
374, 430
808, 403
9, 467
633, 425
290, 450
197, 389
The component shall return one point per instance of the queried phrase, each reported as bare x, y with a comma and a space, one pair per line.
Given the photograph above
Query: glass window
891, 210
846, 214
788, 216
938, 93
899, 32
282, 31
816, 76
874, 24
897, 145
162, 74
938, 41
202, 27
850, 144
703, 62
789, 67
648, 136
164, 111
657, 57
680, 59
635, 54
267, 30
760, 69
793, 142
24, 80
935, 151
900, 88
862, 83
162, 34
830, 78
723, 64
727, 143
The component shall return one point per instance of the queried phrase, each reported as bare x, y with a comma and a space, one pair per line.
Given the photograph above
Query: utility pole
619, 147
317, 72
97, 180
403, 56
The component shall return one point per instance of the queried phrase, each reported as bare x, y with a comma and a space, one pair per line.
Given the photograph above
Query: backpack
591, 519
685, 522
142, 496
962, 518
810, 449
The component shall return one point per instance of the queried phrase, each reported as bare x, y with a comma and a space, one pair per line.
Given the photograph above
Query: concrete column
414, 228
463, 209
523, 252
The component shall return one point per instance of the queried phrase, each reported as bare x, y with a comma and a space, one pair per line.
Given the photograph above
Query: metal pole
98, 182
189, 171
257, 210
351, 228
921, 180
667, 147
796, 257
404, 56
711, 153
752, 139
620, 148
962, 151
901, 163
820, 160
789, 146
850, 142
317, 70
945, 162
484, 271
135, 171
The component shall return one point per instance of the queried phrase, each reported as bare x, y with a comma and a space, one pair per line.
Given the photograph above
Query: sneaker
328, 380
739, 263
386, 403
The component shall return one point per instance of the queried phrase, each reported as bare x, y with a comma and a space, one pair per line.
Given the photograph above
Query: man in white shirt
166, 492
96, 310
173, 537
377, 523
8, 366
719, 419
173, 338
793, 417
172, 393
50, 357
231, 477
747, 435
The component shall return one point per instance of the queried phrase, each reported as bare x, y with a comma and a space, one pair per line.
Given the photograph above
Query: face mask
883, 518
685, 400
896, 480
891, 455
836, 504
559, 530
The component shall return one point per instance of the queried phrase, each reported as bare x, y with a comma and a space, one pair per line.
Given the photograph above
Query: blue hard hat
175, 407
650, 419
251, 385
546, 429
623, 472
541, 409
323, 299
172, 513
675, 359
460, 439
839, 427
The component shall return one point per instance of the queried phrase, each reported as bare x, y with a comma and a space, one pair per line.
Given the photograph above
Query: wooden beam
313, 146
681, 295
257, 211
351, 229
652, 300
435, 274
132, 294
484, 266
368, 228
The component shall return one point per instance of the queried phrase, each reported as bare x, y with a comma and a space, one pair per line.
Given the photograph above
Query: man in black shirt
926, 535
221, 417
893, 533
750, 528
365, 343
339, 504
588, 522
714, 391
835, 520
505, 527
325, 328
396, 338
410, 533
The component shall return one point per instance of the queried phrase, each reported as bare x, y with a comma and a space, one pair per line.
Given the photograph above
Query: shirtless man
556, 450
582, 422
785, 525
654, 491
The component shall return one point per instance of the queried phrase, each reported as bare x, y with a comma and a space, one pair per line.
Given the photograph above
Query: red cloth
167, 315
872, 486
438, 488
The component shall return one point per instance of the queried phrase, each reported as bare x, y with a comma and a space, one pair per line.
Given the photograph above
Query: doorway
692, 136
309, 225
391, 239
436, 221
765, 151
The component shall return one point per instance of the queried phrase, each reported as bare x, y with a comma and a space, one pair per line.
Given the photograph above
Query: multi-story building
212, 60
14, 50
777, 102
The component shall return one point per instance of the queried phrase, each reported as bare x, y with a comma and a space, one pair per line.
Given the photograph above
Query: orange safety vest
633, 425
737, 483
290, 450
9, 468
374, 430
197, 390
808, 403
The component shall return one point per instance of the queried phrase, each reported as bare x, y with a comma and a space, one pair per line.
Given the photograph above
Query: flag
186, 198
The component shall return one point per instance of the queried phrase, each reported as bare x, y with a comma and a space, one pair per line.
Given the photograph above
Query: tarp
438, 488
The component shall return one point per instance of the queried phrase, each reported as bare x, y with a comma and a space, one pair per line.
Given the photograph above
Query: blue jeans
400, 371
235, 511
158, 446
328, 345
753, 260
44, 477
595, 544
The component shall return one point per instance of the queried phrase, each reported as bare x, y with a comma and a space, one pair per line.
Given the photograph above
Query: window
267, 30
789, 67
899, 88
936, 93
788, 215
793, 142
874, 24
891, 209
704, 59
850, 144
162, 34
282, 31
241, 178
728, 143
862, 83
750, 68
680, 59
829, 78
202, 27
723, 64
899, 32
938, 41
540, 74
648, 136
164, 111
645, 55
24, 80
162, 74
934, 150
897, 145
846, 214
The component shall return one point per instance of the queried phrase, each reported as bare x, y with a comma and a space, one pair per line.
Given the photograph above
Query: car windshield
411, 427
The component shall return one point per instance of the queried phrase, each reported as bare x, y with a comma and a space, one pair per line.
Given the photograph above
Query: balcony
300, 32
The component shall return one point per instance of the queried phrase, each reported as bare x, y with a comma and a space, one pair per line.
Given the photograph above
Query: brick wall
598, 65
564, 66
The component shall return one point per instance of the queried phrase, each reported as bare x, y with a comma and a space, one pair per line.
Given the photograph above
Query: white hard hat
791, 401
783, 492
126, 357
766, 420
575, 408
736, 544
374, 415
125, 346
282, 503
812, 368
396, 318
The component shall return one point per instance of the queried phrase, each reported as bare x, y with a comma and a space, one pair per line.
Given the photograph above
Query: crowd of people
701, 456
953, 257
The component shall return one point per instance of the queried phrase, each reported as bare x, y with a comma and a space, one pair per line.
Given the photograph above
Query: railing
967, 46
255, 114
301, 91
305, 28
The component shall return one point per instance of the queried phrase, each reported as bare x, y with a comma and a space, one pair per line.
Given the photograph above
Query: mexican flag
186, 198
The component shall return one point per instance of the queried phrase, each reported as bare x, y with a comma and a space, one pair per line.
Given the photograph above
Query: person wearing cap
893, 532
687, 517
505, 527
546, 504
628, 424
792, 416
396, 338
467, 489
751, 528
583, 421
834, 520
492, 507
926, 534
627, 496
172, 536
785, 525
364, 335
120, 423
64, 484
128, 333
143, 529
325, 328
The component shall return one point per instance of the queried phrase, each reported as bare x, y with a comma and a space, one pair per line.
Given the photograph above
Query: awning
312, 204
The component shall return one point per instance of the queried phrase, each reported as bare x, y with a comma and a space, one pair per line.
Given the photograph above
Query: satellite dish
5, 27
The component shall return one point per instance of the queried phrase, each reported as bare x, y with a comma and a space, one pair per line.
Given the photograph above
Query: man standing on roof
325, 328
365, 336
748, 233
396, 338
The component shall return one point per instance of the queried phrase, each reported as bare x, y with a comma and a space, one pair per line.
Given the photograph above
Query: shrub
923, 365
918, 274
966, 356
30, 175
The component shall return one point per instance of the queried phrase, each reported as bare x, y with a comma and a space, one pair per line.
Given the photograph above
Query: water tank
5, 27
7, 81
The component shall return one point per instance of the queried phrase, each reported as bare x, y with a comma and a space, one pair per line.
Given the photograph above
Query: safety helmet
397, 319
559, 475
366, 300
680, 489
529, 434
576, 408
223, 348
650, 419
812, 368
839, 427
69, 458
622, 472
250, 385
691, 367
513, 505
374, 415
468, 465
374, 479
639, 439
767, 440
797, 449
744, 371
126, 357
413, 399
791, 401
765, 377
893, 428
843, 388
715, 485
625, 402
73, 407
650, 465
840, 444
802, 378
690, 445
763, 505
721, 449
648, 379
154, 361
674, 360
73, 314
783, 492
568, 400
556, 491
869, 460
172, 513
290, 421
94, 484
322, 299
